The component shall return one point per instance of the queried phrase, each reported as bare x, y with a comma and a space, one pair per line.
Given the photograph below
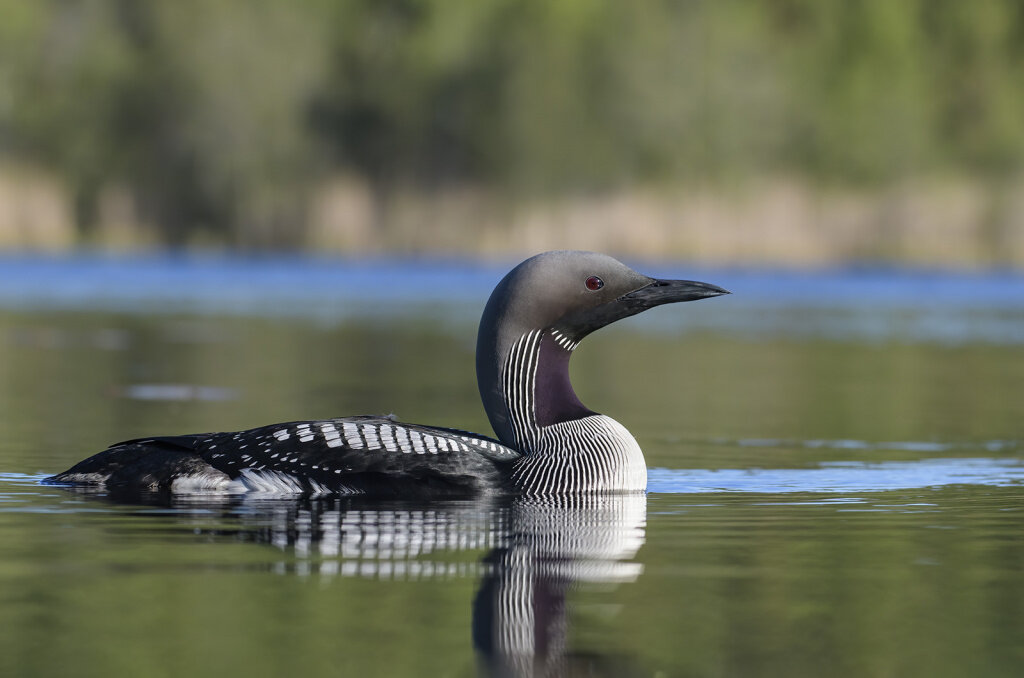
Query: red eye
594, 283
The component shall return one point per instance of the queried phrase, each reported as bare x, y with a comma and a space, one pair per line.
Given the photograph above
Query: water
837, 481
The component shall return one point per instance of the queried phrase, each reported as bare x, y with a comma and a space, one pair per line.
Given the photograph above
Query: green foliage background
218, 115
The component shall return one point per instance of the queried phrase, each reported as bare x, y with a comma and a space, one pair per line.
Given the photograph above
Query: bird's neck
535, 388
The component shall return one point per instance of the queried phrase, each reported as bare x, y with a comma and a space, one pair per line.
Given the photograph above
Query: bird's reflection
520, 621
535, 551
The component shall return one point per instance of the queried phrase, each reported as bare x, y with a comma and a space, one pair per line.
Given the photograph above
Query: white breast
592, 454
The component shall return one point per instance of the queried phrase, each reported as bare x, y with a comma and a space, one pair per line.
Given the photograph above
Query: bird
547, 441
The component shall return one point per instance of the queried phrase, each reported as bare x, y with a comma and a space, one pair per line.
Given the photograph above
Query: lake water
836, 485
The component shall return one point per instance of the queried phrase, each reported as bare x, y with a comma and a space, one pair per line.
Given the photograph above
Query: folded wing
376, 456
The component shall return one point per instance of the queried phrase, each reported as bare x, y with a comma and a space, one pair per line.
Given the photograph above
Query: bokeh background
791, 132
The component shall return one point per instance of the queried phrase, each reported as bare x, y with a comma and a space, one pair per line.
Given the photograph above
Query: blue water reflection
855, 303
841, 476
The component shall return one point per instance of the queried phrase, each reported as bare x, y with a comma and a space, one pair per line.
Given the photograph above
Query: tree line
218, 115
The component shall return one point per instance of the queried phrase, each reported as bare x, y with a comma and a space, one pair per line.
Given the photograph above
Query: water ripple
841, 476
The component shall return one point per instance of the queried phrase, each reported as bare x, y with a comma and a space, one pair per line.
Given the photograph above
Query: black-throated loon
548, 441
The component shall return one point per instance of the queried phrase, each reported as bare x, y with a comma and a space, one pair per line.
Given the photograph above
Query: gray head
566, 295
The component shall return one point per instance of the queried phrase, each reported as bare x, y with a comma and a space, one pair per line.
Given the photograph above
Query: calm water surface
837, 483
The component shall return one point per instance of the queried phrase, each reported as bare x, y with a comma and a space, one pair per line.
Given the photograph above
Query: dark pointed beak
660, 292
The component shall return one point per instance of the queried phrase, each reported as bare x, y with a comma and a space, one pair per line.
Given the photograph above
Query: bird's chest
592, 454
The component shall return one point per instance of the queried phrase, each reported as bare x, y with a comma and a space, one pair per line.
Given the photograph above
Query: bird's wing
368, 455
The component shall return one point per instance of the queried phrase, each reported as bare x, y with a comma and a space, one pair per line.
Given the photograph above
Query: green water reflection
925, 581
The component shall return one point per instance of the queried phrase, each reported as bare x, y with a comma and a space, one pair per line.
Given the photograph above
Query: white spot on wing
417, 442
387, 436
372, 440
352, 435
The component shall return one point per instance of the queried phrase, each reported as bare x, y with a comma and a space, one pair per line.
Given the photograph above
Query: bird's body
547, 440
365, 455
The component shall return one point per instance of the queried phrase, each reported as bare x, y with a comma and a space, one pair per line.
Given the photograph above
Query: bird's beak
659, 292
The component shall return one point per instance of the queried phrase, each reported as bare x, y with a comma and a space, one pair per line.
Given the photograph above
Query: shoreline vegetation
942, 222
795, 132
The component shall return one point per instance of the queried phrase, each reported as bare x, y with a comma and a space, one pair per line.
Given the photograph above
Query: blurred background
790, 132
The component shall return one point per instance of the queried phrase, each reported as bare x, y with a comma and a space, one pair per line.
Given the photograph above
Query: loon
547, 442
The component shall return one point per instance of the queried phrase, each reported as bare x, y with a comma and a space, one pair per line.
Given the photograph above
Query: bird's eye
594, 283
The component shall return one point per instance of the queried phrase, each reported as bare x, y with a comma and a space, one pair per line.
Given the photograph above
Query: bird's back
367, 455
